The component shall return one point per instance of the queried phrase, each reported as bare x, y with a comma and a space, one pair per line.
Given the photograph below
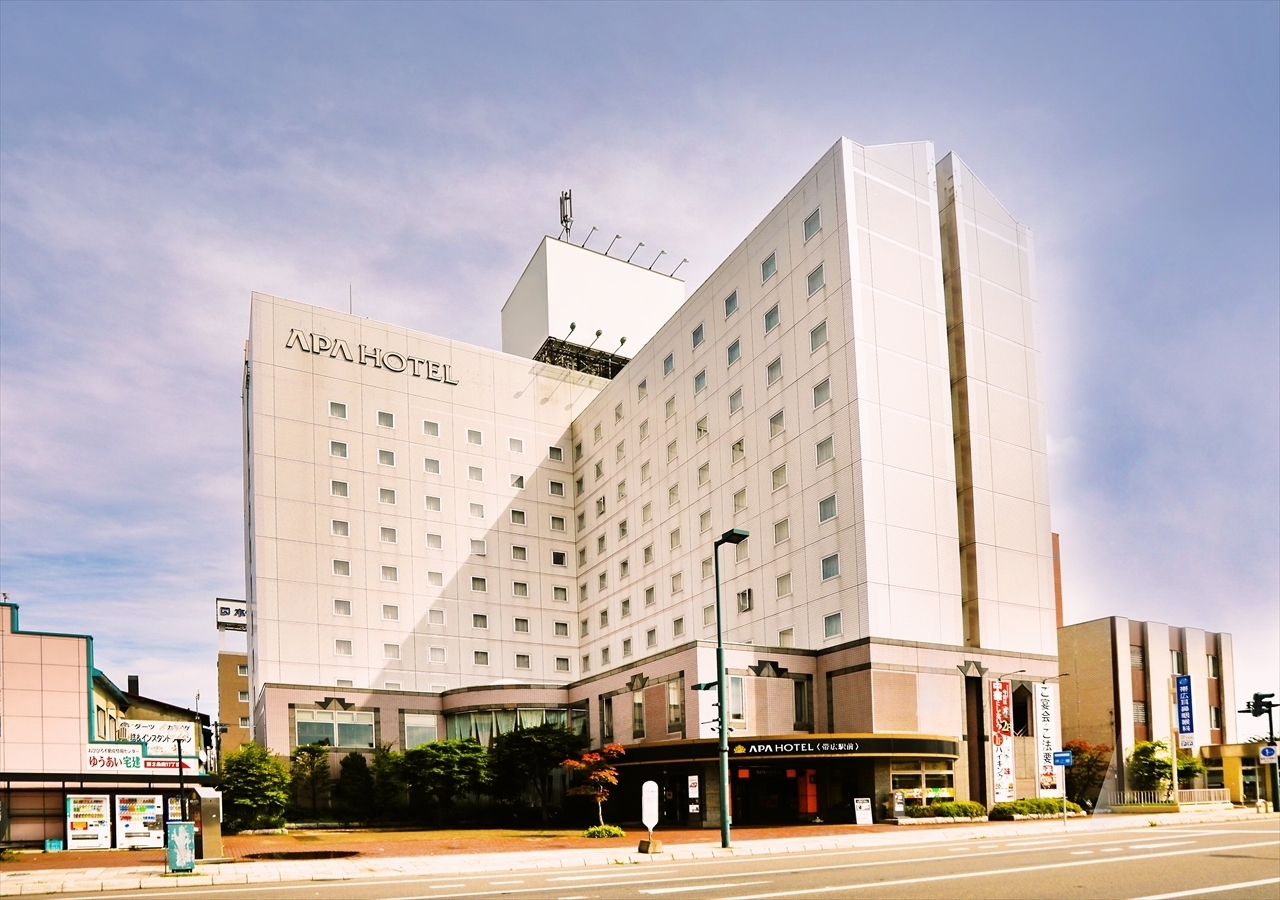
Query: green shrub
917, 812
255, 789
604, 831
959, 809
1030, 806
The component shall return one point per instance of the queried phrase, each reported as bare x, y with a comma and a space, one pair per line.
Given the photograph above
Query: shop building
446, 540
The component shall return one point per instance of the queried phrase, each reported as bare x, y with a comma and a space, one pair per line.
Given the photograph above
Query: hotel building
443, 540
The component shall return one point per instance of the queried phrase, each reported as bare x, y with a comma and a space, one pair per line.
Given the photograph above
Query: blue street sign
1268, 753
1183, 689
1062, 757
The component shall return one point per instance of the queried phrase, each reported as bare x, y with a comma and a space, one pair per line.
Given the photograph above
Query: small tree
437, 773
355, 784
388, 780
1148, 767
1189, 768
255, 789
599, 774
1087, 772
309, 770
525, 758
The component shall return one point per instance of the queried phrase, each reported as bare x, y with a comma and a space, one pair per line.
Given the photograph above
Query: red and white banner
1046, 742
1004, 784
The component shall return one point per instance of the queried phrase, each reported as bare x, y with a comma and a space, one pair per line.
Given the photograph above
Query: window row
338, 410
438, 655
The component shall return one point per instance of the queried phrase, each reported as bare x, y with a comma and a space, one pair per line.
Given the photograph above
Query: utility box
206, 812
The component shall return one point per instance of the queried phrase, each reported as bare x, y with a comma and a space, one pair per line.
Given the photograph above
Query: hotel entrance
774, 795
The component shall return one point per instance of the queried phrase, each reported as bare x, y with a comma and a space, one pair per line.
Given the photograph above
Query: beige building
445, 541
233, 701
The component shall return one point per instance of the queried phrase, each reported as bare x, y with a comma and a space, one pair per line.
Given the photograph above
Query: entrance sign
862, 810
1004, 785
88, 822
1046, 740
649, 805
139, 820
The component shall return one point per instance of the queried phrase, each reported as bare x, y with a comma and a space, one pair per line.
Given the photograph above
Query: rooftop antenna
572, 325
593, 343
593, 230
621, 341
661, 253
633, 252
566, 211
677, 268
611, 243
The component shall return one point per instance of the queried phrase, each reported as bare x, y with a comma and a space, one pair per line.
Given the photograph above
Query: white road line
626, 874
1110, 849
1212, 890
577, 897
517, 881
956, 876
1161, 844
700, 887
1083, 852
438, 886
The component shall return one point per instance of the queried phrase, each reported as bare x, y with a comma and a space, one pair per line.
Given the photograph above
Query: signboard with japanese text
139, 820
1046, 714
88, 822
232, 615
1004, 784
1186, 725
161, 738
113, 758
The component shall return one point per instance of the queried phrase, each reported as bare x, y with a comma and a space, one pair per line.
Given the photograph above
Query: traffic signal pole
1261, 703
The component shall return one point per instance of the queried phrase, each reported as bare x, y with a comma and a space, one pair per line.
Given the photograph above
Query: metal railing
1146, 798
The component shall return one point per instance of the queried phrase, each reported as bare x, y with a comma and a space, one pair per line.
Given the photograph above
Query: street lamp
732, 536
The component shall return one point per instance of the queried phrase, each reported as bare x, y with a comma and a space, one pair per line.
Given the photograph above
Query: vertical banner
1046, 742
1186, 725
1004, 785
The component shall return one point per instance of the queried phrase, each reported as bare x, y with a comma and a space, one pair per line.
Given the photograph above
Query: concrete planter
937, 820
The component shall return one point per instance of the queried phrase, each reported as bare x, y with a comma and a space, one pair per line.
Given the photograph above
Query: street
1225, 860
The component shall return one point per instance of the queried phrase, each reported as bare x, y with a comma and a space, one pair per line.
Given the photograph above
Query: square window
827, 508
577, 452
599, 469
435, 579
520, 554
559, 558
773, 374
651, 637
642, 389
436, 654
620, 452
826, 450
435, 541
479, 547
387, 495
475, 510
522, 661
830, 566
557, 488
242, 671
784, 584
599, 506
622, 528
562, 664
561, 629
677, 627
600, 544
700, 428
674, 537
579, 486
557, 523
390, 651
816, 280
341, 648
586, 663
813, 224
522, 626
584, 627
818, 336
475, 473
821, 392
708, 568
738, 450
743, 550
650, 596
735, 401
671, 407
582, 588
700, 382
699, 335
708, 615
731, 304
677, 583
769, 267
787, 637
386, 419
337, 410
560, 594
474, 437
391, 613
832, 626
780, 477
386, 457
772, 318
626, 647
644, 430
781, 530
339, 528
673, 495
342, 567
646, 512
517, 482
622, 489
704, 521
704, 473
431, 503
777, 423
515, 445
625, 607
604, 618
745, 602
390, 573
341, 607
734, 353
431, 466
387, 535
597, 434
517, 517
478, 620
644, 471
555, 454
617, 413
673, 451
669, 364
430, 429
338, 449
480, 657
740, 501
602, 581
648, 554
520, 589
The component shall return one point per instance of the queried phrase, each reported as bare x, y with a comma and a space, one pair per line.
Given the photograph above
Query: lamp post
732, 536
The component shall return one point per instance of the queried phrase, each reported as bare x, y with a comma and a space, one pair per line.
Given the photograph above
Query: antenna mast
566, 211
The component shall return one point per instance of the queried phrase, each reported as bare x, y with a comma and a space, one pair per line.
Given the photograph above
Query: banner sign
232, 615
113, 757
88, 822
139, 820
162, 738
1046, 740
1004, 784
1183, 689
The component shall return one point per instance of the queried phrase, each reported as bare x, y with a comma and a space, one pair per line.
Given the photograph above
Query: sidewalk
52, 881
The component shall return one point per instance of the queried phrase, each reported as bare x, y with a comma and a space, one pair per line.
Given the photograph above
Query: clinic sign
337, 348
1004, 784
1186, 724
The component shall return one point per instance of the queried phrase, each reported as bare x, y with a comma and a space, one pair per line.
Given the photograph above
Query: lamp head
734, 536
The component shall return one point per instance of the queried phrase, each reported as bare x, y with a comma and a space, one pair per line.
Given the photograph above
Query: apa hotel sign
337, 348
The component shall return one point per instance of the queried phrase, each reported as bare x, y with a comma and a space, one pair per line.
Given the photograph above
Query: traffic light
1261, 705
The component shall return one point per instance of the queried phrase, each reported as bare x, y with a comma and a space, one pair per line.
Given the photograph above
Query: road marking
438, 886
1212, 890
626, 874
700, 887
517, 881
956, 876
1083, 852
1162, 844
1111, 849
575, 897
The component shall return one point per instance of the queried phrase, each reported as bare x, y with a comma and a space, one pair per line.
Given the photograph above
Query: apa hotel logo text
374, 356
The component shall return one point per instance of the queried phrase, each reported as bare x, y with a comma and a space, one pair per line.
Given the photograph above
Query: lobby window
339, 528
637, 714
480, 657
784, 584
818, 336
802, 701
560, 594
390, 651
735, 401
731, 304
555, 454
475, 473
827, 509
334, 729
562, 664
435, 616
522, 661
769, 267
435, 541
773, 373
560, 629
559, 558
830, 566
651, 638
704, 473
642, 389
772, 318
816, 280
825, 450
740, 501
777, 423
390, 573
699, 335
479, 547
518, 553
341, 607
515, 445
386, 419
479, 620
419, 729
475, 437
700, 382
341, 648
779, 476
517, 517
430, 429
387, 495
787, 637
390, 612
520, 589
431, 466
337, 410
734, 353
338, 449
431, 504
1139, 713
669, 364
738, 451
737, 698
821, 392
342, 567
670, 408
782, 530
387, 535
476, 510
832, 625
479, 584
812, 225
517, 482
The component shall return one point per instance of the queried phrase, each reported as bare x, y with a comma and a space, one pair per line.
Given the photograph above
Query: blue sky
158, 162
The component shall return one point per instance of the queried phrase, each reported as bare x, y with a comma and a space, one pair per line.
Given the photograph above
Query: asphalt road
1228, 860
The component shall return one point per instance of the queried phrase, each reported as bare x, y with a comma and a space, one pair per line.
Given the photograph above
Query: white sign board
232, 615
113, 758
162, 738
1046, 713
693, 787
862, 810
139, 820
88, 822
1186, 741
649, 804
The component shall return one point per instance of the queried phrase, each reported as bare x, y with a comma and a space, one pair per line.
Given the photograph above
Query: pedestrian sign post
1062, 759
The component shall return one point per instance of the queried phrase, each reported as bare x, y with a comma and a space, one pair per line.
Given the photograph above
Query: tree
355, 785
1189, 768
388, 780
309, 769
599, 774
525, 758
437, 773
1148, 767
255, 789
1087, 772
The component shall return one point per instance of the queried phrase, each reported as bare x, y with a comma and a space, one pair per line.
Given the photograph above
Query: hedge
1032, 806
